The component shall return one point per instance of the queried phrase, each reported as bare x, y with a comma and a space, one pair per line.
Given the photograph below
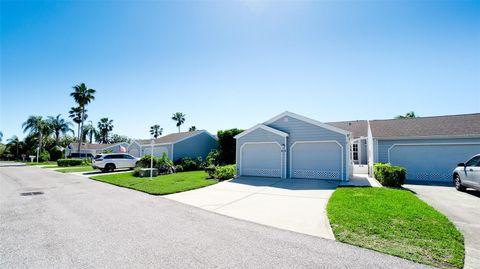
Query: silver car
467, 175
110, 162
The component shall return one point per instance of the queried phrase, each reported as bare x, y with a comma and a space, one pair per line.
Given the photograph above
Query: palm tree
156, 131
76, 115
408, 115
90, 131
105, 126
14, 142
59, 126
37, 126
83, 96
179, 117
192, 129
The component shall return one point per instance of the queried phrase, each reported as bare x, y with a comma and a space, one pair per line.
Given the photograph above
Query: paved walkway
462, 208
295, 205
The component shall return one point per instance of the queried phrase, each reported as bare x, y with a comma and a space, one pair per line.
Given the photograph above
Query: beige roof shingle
358, 128
451, 125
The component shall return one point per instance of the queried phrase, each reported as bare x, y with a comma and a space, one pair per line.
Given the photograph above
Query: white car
112, 161
467, 175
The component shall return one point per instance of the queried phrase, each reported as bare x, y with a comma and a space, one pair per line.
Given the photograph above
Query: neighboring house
176, 145
94, 149
292, 146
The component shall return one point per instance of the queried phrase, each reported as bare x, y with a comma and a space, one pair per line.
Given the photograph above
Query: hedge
221, 172
388, 175
69, 162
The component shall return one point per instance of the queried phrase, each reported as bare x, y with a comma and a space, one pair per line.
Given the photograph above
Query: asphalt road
81, 223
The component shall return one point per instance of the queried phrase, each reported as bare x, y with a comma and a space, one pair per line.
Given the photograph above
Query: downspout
285, 157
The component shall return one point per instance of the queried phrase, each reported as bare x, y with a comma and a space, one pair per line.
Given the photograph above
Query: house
428, 147
293, 146
176, 145
94, 149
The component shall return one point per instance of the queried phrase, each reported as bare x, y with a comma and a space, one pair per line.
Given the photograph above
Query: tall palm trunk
57, 137
81, 130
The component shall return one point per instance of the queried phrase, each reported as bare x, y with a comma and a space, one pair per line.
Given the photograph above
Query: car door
472, 171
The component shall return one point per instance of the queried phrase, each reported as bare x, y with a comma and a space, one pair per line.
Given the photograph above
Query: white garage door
431, 162
316, 160
263, 160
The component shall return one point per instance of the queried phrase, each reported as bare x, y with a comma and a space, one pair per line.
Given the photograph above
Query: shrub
210, 170
145, 161
44, 156
225, 172
69, 162
136, 171
164, 164
200, 163
178, 168
188, 164
227, 145
55, 154
213, 158
388, 175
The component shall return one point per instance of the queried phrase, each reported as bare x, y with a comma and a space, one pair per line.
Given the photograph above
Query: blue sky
235, 64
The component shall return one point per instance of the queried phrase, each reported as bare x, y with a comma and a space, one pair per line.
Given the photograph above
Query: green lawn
395, 222
74, 169
160, 185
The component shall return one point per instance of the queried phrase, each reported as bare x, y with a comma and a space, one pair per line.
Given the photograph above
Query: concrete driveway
295, 205
462, 208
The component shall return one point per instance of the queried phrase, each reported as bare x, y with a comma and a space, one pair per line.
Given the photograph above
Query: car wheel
110, 167
458, 183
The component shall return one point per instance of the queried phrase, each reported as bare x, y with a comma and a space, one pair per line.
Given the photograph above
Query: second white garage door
316, 160
434, 162
261, 159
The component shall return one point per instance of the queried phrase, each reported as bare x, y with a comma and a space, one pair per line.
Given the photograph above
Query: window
475, 161
355, 152
126, 156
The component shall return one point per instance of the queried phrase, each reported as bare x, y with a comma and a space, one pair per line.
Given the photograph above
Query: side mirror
461, 164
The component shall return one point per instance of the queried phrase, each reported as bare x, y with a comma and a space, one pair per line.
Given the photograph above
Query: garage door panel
320, 160
261, 160
431, 162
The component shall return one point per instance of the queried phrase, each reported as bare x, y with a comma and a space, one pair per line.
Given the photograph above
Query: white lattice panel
316, 174
429, 176
261, 172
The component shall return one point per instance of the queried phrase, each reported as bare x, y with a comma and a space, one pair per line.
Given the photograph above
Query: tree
38, 127
82, 96
105, 126
192, 129
76, 115
1, 136
408, 115
156, 131
179, 117
116, 138
16, 143
59, 126
90, 131
227, 145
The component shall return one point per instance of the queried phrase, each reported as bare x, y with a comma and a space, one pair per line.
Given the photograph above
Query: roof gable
308, 120
264, 127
